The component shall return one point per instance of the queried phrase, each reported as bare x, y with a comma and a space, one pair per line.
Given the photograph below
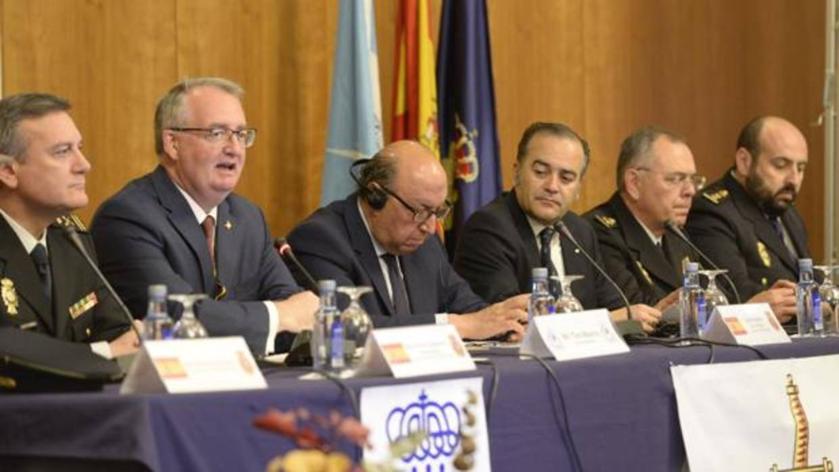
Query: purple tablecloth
621, 411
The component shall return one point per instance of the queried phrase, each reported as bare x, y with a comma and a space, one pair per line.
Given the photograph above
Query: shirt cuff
102, 348
441, 318
273, 324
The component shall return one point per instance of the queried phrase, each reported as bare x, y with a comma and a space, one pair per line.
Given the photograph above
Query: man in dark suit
746, 221
182, 226
656, 177
383, 237
502, 242
46, 285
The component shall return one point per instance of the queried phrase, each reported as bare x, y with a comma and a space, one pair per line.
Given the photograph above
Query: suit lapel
639, 243
363, 246
63, 281
20, 269
227, 235
796, 231
183, 219
525, 231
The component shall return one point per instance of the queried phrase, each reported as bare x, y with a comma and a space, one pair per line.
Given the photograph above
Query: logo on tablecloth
801, 438
441, 423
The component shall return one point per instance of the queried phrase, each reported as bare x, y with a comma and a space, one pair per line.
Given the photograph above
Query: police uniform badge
9, 296
86, 303
716, 197
71, 221
644, 273
606, 221
764, 254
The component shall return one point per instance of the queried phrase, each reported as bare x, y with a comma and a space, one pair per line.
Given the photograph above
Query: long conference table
621, 412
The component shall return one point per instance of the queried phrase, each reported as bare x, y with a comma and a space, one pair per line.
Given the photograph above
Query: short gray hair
16, 108
169, 111
636, 147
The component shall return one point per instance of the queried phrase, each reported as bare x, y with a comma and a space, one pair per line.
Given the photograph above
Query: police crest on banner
395, 412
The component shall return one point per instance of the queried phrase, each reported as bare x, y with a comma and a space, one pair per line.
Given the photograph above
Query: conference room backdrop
606, 67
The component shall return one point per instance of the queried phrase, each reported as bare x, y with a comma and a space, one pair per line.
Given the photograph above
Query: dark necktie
42, 266
545, 238
778, 226
397, 287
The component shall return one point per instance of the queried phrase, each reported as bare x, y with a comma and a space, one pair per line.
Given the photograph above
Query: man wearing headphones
379, 236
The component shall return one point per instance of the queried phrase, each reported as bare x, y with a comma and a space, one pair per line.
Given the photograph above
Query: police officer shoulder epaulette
716, 196
71, 221
607, 221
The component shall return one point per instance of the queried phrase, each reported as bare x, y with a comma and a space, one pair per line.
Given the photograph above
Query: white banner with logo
395, 412
761, 415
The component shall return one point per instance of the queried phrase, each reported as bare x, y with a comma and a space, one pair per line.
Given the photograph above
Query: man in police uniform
46, 285
746, 221
656, 178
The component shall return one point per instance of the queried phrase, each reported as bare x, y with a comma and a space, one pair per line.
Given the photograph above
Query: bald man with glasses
656, 179
384, 236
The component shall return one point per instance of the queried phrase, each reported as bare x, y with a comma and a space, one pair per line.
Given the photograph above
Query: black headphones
371, 192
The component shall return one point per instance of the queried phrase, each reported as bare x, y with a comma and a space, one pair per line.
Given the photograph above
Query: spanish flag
415, 88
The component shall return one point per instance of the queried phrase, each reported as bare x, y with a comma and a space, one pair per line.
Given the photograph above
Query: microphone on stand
681, 235
625, 328
73, 236
284, 250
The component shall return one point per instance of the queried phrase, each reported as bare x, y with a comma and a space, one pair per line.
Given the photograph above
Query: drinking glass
566, 302
188, 327
356, 321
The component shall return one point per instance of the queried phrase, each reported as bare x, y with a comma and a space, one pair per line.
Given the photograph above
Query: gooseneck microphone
284, 250
560, 226
681, 235
73, 236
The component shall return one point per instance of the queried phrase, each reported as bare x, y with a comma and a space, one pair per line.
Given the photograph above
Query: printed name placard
193, 365
572, 336
413, 351
749, 324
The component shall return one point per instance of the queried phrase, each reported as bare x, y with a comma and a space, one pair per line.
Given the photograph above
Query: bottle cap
805, 264
692, 267
540, 273
157, 292
326, 284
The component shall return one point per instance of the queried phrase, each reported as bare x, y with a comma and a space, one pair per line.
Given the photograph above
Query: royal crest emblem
463, 153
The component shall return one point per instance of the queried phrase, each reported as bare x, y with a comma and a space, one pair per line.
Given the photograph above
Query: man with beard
746, 221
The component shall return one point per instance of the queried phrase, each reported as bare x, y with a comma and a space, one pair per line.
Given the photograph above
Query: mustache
787, 188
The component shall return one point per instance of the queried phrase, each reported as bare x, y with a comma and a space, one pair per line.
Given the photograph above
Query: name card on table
572, 336
413, 351
193, 365
750, 324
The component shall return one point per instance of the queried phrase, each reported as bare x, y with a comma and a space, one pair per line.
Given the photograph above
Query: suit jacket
728, 226
497, 252
81, 309
333, 243
147, 234
643, 271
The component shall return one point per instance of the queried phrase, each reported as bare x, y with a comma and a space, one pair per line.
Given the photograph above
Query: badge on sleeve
9, 295
86, 303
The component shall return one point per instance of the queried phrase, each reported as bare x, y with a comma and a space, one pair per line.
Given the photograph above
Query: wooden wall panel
111, 59
605, 67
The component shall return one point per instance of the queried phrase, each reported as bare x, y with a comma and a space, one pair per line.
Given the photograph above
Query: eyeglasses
679, 179
421, 215
245, 136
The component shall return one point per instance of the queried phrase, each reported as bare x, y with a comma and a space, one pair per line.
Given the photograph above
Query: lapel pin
228, 225
9, 296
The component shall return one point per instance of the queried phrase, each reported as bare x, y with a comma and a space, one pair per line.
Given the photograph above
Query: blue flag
466, 110
355, 107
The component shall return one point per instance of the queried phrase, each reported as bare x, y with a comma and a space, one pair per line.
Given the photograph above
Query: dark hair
16, 108
637, 146
556, 129
749, 137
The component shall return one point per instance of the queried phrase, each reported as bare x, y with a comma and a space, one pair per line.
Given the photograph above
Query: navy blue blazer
497, 252
147, 234
333, 243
